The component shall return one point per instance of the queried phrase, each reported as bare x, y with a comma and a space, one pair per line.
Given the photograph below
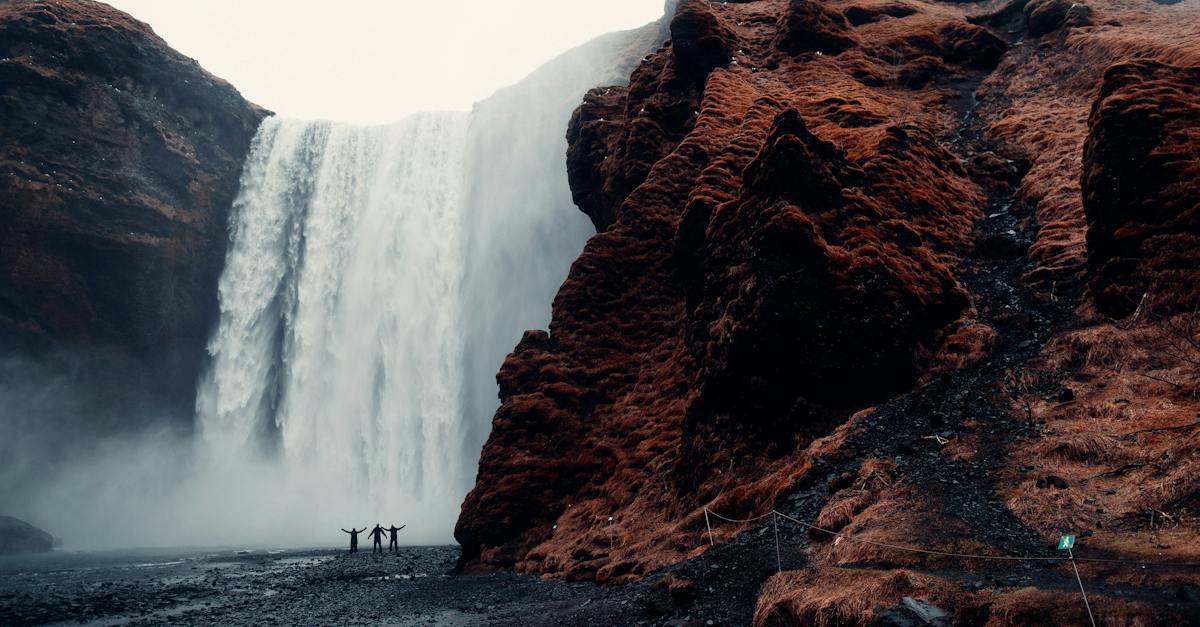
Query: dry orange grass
873, 476
1032, 606
845, 597
840, 597
963, 348
1128, 445
1086, 447
897, 516
1037, 104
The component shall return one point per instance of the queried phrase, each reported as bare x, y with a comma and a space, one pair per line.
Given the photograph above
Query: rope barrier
735, 520
919, 550
776, 515
1102, 560
897, 547
778, 559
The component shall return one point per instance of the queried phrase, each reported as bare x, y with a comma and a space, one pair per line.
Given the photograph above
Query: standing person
392, 545
354, 538
377, 535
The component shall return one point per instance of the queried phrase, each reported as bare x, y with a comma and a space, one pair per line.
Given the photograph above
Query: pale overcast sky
378, 60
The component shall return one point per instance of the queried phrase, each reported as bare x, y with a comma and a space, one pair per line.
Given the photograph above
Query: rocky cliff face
18, 536
119, 161
849, 256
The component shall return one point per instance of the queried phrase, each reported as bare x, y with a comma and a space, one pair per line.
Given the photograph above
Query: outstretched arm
345, 531
401, 527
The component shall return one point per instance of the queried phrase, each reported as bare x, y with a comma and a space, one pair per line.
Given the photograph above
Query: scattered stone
1054, 481
911, 612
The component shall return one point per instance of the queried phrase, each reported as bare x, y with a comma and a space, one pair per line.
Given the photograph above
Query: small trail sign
1066, 543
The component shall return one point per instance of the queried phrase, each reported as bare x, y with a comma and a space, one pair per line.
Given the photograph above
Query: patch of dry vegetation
1127, 443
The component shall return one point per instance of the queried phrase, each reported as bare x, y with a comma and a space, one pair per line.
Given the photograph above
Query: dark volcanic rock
700, 43
1141, 186
119, 162
18, 536
1046, 16
779, 293
971, 45
860, 14
811, 26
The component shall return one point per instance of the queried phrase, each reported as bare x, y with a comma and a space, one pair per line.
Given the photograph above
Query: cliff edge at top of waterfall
119, 161
846, 269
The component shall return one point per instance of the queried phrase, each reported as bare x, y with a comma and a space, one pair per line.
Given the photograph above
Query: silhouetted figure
354, 538
377, 535
392, 546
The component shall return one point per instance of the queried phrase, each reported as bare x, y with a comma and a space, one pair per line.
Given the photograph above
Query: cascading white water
375, 279
339, 343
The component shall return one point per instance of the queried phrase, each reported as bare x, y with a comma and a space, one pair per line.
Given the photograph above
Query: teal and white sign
1066, 542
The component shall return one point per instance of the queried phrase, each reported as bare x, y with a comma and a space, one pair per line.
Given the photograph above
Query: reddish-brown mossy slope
1141, 186
120, 158
785, 194
779, 217
1038, 102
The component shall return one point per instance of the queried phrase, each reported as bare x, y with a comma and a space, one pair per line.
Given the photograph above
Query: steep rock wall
775, 252
119, 162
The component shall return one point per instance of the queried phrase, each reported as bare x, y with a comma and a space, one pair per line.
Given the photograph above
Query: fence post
1086, 605
778, 559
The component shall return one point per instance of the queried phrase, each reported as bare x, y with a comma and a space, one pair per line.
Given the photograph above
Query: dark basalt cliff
18, 536
852, 253
119, 161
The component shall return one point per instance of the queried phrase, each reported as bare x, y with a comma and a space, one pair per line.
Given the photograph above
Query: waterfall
375, 279
339, 346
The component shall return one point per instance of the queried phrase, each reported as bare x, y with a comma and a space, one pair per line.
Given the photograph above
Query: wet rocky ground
322, 586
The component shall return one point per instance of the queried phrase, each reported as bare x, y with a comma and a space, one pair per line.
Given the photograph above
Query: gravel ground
319, 586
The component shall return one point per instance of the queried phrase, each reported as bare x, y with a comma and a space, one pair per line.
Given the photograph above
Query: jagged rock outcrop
817, 288
119, 161
1046, 16
842, 274
770, 259
812, 26
1141, 187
